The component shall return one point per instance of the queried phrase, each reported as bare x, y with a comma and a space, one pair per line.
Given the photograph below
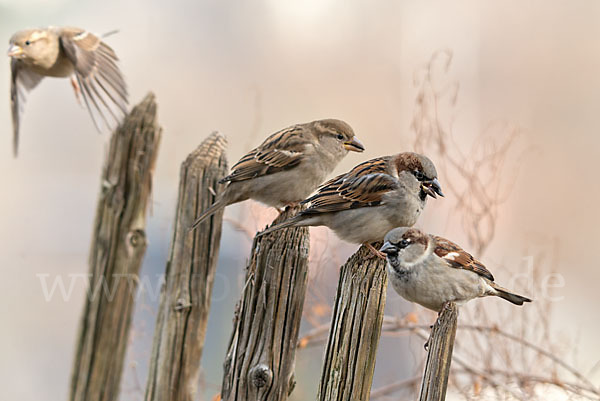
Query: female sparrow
432, 271
362, 205
288, 165
66, 52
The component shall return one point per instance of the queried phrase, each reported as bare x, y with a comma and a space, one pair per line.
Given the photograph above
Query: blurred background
505, 93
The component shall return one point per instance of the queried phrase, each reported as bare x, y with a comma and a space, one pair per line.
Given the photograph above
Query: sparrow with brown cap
433, 271
362, 205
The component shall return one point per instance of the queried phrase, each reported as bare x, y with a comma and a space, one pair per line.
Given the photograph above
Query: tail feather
291, 222
509, 296
208, 212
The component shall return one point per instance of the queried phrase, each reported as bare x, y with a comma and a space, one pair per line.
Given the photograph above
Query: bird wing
22, 81
102, 85
458, 258
365, 185
280, 151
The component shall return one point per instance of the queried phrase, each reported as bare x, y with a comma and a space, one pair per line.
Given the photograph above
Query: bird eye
27, 43
403, 244
340, 136
419, 175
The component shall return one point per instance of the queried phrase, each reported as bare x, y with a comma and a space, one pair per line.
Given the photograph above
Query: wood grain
117, 249
259, 364
185, 296
439, 356
349, 362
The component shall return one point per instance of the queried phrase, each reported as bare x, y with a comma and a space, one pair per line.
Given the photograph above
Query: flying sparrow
288, 165
362, 205
432, 271
66, 52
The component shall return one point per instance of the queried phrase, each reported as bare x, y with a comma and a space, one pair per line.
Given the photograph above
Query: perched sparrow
362, 205
432, 271
66, 52
288, 165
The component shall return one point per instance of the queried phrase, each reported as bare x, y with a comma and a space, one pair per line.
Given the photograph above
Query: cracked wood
186, 293
117, 249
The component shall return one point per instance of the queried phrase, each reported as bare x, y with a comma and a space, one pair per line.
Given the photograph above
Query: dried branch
476, 178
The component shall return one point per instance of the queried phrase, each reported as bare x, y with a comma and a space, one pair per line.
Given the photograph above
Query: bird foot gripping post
439, 356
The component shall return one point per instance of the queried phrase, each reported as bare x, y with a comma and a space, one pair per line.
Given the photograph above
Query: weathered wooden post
117, 250
259, 364
349, 363
185, 296
439, 356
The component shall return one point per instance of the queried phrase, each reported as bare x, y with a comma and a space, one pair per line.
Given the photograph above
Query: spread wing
281, 151
22, 81
365, 185
458, 258
102, 85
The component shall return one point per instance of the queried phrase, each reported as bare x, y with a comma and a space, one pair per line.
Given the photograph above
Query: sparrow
287, 166
433, 271
364, 204
66, 52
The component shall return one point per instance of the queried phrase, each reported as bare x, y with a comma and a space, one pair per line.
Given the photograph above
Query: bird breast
431, 285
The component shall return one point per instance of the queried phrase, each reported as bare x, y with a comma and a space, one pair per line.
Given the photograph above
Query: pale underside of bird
362, 205
67, 52
433, 271
288, 166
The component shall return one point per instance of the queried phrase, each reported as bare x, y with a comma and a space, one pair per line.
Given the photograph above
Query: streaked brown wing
280, 151
22, 80
458, 258
102, 85
364, 185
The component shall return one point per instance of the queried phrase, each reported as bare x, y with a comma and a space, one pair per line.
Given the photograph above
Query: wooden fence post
260, 360
185, 295
117, 249
441, 343
349, 362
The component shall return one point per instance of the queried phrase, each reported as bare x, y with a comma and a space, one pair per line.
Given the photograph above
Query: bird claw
375, 253
445, 307
286, 206
426, 345
291, 205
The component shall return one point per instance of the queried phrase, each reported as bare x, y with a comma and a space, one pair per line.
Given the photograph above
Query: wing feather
103, 87
280, 151
458, 258
363, 186
22, 81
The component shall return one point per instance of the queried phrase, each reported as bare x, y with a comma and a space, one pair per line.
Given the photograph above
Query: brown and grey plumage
432, 271
288, 165
67, 52
362, 205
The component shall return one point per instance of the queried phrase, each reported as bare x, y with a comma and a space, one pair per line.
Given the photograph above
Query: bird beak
354, 145
388, 248
14, 51
432, 188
